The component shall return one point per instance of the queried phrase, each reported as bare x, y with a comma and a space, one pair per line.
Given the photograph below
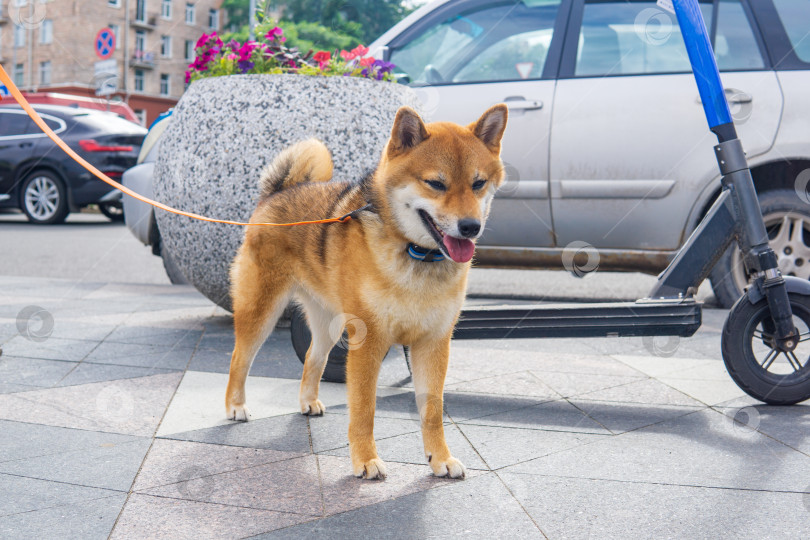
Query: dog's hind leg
325, 333
259, 298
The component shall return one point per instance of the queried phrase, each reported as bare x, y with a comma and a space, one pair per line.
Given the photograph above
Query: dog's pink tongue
460, 249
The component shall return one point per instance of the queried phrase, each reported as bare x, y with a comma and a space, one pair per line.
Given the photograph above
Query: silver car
606, 149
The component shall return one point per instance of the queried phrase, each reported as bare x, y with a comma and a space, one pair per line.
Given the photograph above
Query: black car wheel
787, 220
44, 199
113, 210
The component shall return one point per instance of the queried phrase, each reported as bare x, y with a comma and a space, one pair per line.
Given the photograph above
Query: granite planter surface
225, 130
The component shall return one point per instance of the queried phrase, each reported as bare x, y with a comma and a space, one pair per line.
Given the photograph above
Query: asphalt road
88, 247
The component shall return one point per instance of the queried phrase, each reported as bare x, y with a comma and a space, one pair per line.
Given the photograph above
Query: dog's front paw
239, 413
449, 467
313, 408
373, 469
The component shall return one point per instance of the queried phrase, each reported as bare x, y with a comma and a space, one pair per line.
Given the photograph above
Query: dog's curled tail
305, 161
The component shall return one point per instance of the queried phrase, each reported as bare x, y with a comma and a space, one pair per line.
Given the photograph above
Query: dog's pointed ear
408, 131
490, 127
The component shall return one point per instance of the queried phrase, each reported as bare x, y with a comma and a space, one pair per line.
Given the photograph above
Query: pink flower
246, 50
188, 76
346, 55
365, 62
202, 41
276, 31
232, 56
360, 51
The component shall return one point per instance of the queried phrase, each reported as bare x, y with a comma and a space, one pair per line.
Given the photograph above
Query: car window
795, 17
13, 124
495, 43
633, 38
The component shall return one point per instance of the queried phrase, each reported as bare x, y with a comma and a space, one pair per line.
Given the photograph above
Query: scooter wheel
760, 370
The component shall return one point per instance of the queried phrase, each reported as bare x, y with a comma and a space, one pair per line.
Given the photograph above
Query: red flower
365, 62
360, 51
322, 57
346, 55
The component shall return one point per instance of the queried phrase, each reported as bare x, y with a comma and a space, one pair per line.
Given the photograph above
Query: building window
140, 43
139, 80
46, 32
189, 50
114, 3
140, 10
166, 9
45, 72
213, 19
189, 13
166, 46
19, 73
141, 114
165, 87
115, 30
19, 36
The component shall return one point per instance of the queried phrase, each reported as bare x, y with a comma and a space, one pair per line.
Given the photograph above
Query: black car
44, 182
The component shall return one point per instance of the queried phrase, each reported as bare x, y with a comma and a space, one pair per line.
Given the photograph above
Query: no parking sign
105, 43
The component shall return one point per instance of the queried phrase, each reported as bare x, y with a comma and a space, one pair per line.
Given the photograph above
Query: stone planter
226, 129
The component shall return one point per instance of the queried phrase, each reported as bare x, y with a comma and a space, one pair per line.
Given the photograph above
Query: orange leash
15, 93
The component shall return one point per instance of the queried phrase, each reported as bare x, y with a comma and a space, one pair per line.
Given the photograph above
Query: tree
364, 19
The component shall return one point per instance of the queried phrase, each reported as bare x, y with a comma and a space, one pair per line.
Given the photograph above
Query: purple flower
382, 66
245, 65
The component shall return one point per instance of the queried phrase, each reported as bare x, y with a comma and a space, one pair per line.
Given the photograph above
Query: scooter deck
641, 318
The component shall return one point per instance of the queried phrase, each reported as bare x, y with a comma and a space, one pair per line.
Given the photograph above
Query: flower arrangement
269, 55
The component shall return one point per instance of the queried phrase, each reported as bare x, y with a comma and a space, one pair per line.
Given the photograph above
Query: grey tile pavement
600, 438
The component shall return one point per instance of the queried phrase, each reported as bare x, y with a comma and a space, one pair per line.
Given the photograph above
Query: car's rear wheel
113, 210
787, 220
44, 198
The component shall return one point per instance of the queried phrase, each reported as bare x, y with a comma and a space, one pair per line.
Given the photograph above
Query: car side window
495, 43
635, 38
13, 124
795, 17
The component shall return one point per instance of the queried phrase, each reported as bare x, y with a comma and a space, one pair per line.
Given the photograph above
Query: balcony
148, 23
142, 60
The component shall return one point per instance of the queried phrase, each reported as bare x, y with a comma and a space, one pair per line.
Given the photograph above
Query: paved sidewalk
112, 423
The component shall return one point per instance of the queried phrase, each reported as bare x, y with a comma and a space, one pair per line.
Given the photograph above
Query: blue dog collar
425, 255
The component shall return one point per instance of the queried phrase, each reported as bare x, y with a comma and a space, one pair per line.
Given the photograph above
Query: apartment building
50, 46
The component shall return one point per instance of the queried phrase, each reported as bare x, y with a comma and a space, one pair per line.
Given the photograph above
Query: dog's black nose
469, 227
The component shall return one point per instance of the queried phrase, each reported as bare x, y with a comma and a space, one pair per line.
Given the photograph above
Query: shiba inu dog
399, 266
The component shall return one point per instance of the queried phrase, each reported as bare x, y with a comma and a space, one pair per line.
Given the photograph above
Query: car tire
172, 270
43, 198
114, 211
783, 212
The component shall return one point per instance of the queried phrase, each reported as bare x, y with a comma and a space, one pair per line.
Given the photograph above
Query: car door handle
734, 95
521, 104
25, 144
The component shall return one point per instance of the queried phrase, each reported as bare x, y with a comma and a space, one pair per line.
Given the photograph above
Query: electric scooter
764, 327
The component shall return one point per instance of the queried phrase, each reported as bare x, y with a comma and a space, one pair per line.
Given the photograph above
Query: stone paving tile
706, 391
704, 448
409, 448
149, 356
50, 349
86, 373
343, 492
621, 417
466, 406
170, 461
157, 517
479, 507
288, 486
502, 446
130, 406
674, 366
78, 330
287, 433
586, 508
330, 431
19, 494
398, 405
109, 465
26, 441
265, 365
648, 391
150, 335
790, 425
551, 416
87, 520
574, 384
33, 371
522, 383
9, 388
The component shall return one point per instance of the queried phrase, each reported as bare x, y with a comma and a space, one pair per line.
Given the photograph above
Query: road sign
4, 91
105, 43
106, 77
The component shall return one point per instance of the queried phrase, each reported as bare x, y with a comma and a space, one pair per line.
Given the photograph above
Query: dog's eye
435, 184
478, 184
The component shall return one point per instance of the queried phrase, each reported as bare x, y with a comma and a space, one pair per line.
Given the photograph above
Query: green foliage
364, 19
